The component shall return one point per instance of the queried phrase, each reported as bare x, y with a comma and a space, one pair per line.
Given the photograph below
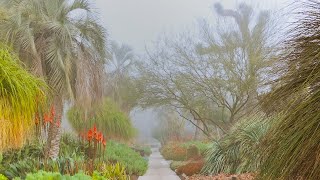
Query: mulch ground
247, 176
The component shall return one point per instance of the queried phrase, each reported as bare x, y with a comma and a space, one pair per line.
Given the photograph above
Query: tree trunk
54, 132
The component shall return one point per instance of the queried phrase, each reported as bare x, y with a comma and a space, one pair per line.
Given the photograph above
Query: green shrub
30, 159
32, 150
134, 163
108, 117
20, 168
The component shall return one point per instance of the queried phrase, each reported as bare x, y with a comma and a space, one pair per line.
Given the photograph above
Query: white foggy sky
139, 22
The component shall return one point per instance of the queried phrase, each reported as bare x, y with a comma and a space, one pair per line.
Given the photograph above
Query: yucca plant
293, 147
20, 96
238, 151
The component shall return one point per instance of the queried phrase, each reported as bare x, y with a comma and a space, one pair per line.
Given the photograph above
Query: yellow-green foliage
20, 94
2, 177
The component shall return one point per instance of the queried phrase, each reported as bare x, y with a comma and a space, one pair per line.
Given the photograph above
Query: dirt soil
246, 176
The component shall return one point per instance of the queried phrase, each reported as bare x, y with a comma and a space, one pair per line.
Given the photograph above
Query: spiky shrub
20, 95
293, 149
108, 117
238, 151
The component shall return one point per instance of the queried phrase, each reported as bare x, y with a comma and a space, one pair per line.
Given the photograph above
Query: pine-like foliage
20, 95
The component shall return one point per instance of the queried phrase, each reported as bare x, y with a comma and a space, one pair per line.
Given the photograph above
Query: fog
139, 23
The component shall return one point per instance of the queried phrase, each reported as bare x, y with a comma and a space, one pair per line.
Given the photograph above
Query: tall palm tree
120, 86
61, 41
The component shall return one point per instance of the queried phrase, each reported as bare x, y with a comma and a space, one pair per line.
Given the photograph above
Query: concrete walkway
159, 168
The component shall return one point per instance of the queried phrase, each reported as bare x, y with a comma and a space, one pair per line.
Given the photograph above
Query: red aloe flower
89, 135
97, 135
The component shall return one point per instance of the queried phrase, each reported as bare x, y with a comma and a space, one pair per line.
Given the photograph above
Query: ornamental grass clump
107, 116
293, 147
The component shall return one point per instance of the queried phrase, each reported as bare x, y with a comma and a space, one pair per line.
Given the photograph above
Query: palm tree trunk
54, 132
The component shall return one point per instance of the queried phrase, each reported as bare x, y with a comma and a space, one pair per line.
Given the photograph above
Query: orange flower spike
46, 118
94, 129
104, 143
89, 135
97, 135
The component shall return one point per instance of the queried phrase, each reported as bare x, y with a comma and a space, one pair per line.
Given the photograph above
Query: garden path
159, 168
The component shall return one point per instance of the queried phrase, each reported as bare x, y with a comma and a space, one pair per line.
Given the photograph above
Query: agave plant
293, 150
20, 96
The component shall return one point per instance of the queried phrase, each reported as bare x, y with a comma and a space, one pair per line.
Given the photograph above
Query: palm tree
120, 85
61, 41
20, 95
